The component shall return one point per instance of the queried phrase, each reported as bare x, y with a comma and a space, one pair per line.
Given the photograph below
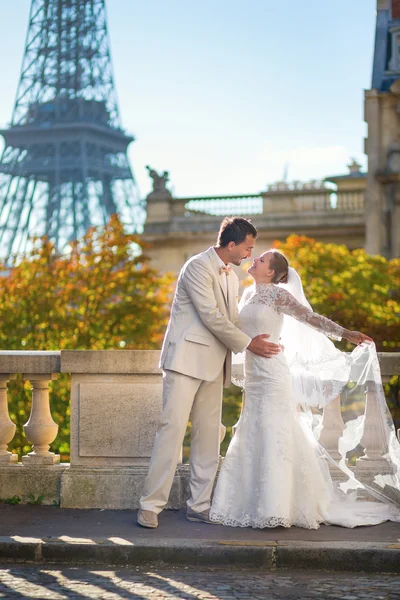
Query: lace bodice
279, 302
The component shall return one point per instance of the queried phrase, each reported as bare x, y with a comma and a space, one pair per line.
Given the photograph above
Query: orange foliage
102, 294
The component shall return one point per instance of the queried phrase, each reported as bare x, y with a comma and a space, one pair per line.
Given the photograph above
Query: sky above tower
229, 95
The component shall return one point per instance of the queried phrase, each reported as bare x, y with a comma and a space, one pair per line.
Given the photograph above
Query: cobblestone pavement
57, 583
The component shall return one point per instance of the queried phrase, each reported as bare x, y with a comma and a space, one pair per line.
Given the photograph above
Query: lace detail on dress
261, 523
275, 474
283, 302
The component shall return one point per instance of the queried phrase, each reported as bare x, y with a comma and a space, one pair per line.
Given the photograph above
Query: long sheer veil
340, 401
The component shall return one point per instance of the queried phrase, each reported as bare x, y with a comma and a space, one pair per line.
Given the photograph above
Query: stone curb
269, 555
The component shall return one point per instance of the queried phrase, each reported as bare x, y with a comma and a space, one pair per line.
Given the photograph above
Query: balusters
332, 428
7, 427
373, 443
40, 429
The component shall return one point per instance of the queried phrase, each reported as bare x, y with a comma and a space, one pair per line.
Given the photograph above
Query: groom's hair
235, 229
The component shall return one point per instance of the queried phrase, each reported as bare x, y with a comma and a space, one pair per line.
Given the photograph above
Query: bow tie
225, 269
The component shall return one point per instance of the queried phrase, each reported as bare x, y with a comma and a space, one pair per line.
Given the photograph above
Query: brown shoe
147, 518
200, 517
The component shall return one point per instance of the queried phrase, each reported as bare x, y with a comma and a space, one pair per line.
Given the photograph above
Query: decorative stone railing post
7, 427
40, 429
332, 428
374, 445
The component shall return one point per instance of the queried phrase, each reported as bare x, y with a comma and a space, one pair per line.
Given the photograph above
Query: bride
278, 470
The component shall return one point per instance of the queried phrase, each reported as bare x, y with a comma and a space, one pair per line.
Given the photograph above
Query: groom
196, 361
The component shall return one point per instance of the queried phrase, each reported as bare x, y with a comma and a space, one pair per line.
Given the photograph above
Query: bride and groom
275, 472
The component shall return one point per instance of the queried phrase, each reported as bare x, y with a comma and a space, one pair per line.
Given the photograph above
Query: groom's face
239, 252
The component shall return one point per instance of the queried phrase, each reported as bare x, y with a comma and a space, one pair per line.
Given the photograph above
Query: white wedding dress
275, 472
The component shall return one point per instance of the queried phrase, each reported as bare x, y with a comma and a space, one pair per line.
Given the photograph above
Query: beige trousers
185, 396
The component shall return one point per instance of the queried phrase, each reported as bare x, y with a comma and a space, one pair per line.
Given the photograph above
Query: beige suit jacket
203, 327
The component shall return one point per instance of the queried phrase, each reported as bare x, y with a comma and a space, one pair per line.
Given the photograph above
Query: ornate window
394, 62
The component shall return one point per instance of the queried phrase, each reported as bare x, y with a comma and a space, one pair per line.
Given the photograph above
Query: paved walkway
58, 582
47, 534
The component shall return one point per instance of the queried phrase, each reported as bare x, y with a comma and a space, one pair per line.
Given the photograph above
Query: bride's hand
260, 346
356, 337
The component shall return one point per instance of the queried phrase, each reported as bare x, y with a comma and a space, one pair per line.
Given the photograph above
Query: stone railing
279, 198
116, 399
40, 430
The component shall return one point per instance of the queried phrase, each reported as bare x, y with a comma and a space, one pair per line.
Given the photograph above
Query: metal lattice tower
64, 167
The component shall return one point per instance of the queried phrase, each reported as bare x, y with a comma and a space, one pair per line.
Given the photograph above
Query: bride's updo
280, 265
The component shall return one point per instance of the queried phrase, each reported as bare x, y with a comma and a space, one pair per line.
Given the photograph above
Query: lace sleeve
287, 304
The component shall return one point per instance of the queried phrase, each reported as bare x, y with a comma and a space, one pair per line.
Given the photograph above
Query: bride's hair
280, 265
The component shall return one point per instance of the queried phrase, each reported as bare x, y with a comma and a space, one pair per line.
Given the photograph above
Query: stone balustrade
116, 400
40, 430
280, 198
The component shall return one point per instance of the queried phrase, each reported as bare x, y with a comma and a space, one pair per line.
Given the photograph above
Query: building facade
331, 211
382, 145
357, 209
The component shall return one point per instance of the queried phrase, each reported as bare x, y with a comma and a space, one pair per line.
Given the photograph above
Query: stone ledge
110, 361
365, 557
289, 221
24, 361
389, 363
356, 557
114, 362
116, 488
21, 480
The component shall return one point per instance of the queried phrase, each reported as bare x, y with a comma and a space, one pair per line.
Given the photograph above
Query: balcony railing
116, 400
279, 198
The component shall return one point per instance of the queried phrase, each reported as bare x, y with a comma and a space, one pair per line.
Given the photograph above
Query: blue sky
224, 93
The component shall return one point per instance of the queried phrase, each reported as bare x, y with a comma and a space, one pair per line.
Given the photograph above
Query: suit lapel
232, 299
214, 260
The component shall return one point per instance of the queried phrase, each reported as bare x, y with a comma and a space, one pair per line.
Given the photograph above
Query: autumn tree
101, 294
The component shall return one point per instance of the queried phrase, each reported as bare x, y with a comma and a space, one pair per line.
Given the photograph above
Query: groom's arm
198, 284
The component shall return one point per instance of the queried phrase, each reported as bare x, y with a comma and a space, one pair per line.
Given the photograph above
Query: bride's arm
287, 304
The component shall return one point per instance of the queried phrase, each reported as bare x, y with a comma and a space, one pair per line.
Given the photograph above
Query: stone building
382, 146
330, 210
357, 209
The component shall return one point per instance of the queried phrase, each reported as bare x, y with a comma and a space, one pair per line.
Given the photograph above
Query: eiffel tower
64, 166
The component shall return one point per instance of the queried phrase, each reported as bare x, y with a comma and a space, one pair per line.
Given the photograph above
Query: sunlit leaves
102, 294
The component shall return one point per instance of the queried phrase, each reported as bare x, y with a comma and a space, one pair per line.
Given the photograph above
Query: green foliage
33, 500
14, 500
392, 393
102, 294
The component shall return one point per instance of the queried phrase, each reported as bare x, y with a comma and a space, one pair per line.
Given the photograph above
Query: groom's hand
260, 346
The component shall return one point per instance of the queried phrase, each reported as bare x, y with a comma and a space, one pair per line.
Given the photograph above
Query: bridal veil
340, 401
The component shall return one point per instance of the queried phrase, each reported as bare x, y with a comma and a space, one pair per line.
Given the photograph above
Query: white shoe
147, 518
